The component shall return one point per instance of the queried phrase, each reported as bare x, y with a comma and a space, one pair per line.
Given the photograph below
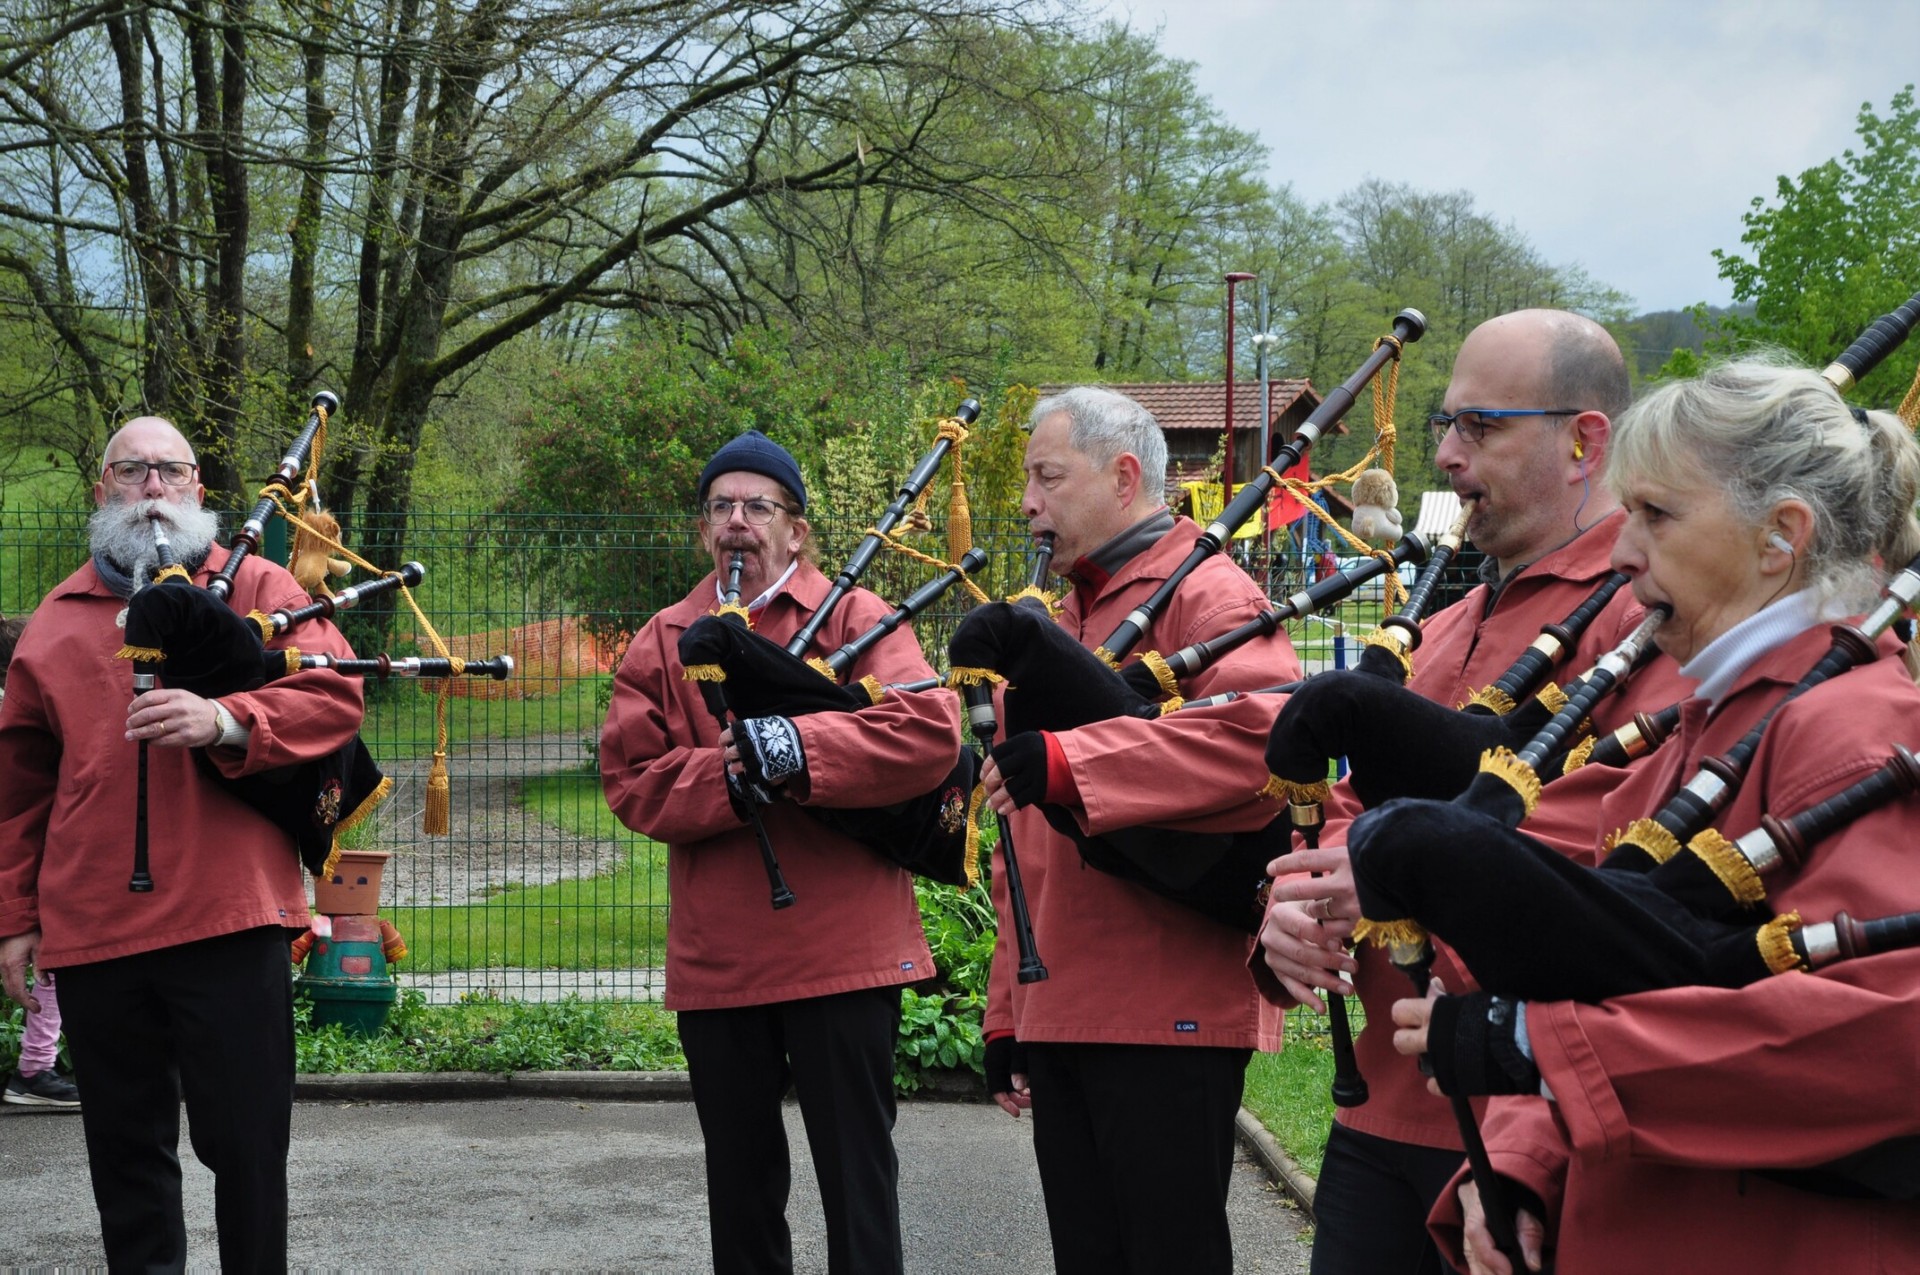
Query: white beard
121, 531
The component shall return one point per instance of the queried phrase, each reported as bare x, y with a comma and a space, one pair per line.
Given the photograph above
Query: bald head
148, 438
1556, 357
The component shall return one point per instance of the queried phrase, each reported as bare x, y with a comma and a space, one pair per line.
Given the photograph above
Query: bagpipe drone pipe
760, 678
185, 637
751, 677
1054, 684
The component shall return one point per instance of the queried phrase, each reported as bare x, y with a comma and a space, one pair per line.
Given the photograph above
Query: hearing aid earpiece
1780, 542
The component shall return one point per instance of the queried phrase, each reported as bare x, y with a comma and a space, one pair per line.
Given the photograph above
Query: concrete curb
1280, 1166
674, 1086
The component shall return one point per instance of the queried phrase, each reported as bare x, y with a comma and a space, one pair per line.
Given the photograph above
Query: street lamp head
1240, 276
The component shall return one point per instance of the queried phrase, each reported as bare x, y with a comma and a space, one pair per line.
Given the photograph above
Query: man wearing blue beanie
806, 996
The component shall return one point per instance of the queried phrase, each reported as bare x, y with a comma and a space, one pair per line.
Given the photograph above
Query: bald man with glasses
1522, 434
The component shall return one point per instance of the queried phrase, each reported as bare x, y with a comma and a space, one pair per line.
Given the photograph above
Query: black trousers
1135, 1146
1371, 1203
211, 1021
837, 1052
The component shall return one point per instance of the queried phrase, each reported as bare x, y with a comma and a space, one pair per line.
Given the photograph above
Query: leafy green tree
1838, 247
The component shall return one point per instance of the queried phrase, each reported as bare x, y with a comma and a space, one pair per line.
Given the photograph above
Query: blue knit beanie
755, 453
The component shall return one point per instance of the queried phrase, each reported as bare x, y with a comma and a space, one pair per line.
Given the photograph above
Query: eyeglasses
758, 512
174, 473
1472, 422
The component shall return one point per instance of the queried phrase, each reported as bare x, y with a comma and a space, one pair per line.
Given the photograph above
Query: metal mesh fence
538, 891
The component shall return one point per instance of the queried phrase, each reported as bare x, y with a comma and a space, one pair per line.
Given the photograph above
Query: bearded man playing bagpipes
176, 986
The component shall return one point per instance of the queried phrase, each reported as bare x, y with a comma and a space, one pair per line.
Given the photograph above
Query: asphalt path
483, 1178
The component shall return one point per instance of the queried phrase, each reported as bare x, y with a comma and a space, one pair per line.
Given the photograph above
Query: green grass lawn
617, 920
400, 714
1292, 1091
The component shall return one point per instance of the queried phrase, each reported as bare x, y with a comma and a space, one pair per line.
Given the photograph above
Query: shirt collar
1719, 664
1091, 573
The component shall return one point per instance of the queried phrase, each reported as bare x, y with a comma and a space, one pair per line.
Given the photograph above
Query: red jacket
854, 923
67, 806
1665, 1100
1463, 649
1126, 966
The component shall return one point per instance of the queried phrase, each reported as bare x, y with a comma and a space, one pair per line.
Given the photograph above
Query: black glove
771, 752
1003, 1056
1023, 767
1474, 1042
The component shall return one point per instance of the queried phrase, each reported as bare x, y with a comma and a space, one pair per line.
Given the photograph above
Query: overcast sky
1626, 136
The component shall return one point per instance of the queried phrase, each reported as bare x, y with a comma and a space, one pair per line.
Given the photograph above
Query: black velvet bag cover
210, 651
926, 835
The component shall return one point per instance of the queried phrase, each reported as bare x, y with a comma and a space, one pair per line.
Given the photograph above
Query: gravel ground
493, 843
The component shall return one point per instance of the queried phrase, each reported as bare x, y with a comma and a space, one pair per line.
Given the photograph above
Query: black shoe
43, 1089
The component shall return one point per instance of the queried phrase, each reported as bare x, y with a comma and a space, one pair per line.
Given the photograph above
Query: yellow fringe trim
332, 861
1492, 698
820, 666
703, 673
1173, 705
871, 685
1106, 657
1162, 672
1582, 753
1775, 940
291, 656
144, 654
971, 862
1657, 842
173, 572
959, 676
1295, 793
263, 622
1046, 599
1505, 765
1726, 862
1406, 932
1553, 697
366, 807
1391, 645
735, 609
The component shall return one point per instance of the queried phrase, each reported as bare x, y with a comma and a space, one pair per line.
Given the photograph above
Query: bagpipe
1053, 683
186, 637
749, 677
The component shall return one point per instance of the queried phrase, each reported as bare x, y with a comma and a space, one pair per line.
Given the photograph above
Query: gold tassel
1645, 835
959, 513
437, 820
1726, 862
1505, 765
1406, 932
1162, 672
144, 654
1775, 940
1582, 753
1492, 698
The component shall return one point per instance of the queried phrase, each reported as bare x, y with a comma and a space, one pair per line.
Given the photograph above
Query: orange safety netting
545, 655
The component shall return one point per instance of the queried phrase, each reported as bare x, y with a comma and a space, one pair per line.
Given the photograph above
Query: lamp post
1226, 484
1263, 343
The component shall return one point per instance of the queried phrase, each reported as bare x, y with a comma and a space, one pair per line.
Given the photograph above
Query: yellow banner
1205, 502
